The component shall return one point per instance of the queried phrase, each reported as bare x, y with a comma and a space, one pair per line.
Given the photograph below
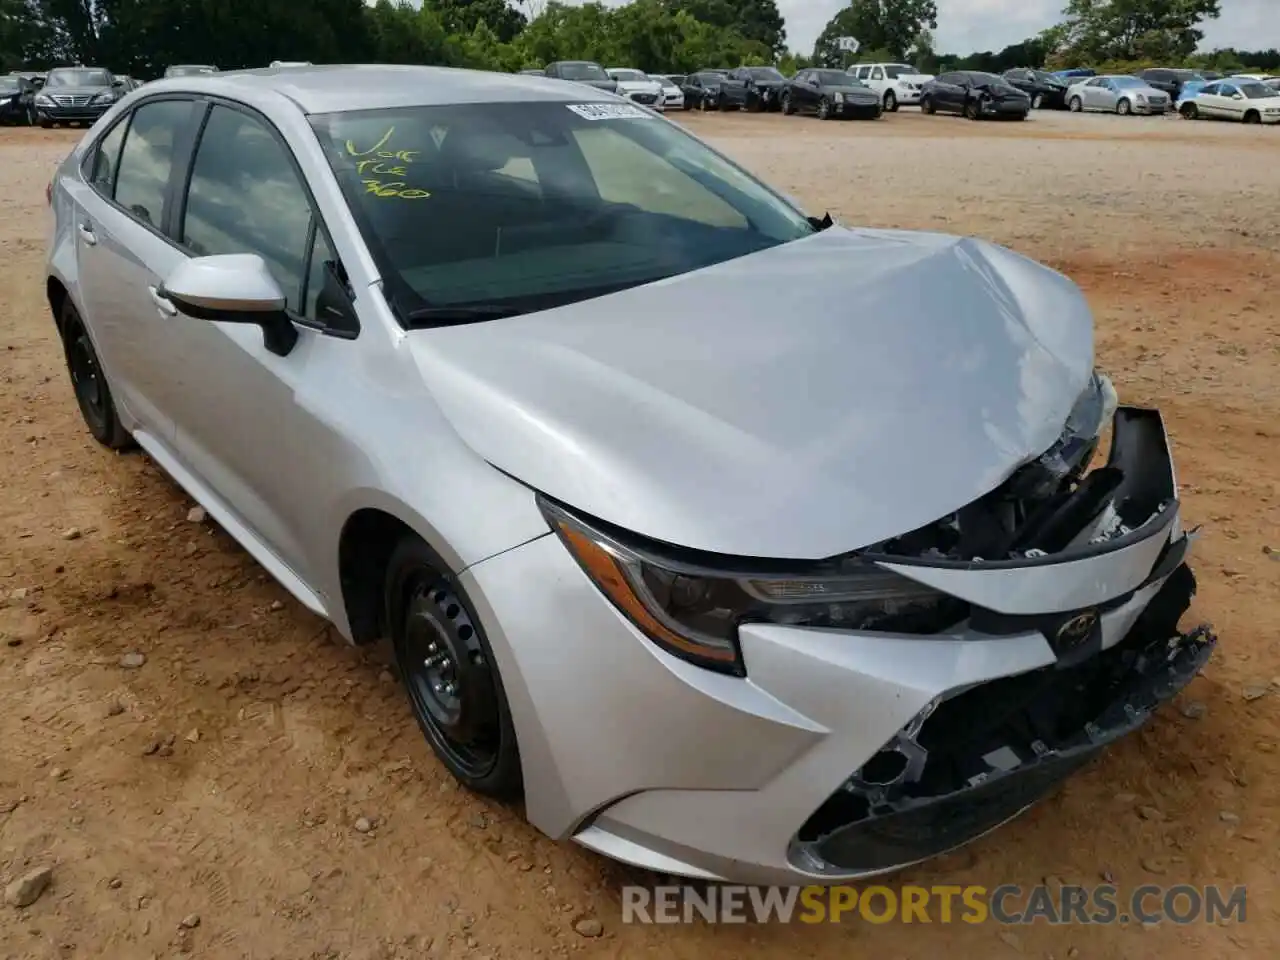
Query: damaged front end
1091, 560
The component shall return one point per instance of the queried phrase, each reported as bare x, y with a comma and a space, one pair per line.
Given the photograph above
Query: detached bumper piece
979, 757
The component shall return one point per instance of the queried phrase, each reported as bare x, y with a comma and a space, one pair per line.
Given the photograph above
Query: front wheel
891, 102
1076, 105
824, 109
927, 107
450, 673
1037, 101
93, 396
1124, 108
1253, 116
1190, 111
787, 107
972, 111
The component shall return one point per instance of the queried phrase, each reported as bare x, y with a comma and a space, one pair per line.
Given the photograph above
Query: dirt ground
221, 781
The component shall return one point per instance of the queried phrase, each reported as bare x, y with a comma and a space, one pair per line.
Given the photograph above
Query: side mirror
233, 288
118, 83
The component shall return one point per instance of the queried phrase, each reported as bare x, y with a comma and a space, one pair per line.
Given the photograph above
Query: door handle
87, 234
163, 303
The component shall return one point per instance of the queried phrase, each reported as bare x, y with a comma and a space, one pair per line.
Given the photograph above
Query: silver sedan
745, 544
1124, 95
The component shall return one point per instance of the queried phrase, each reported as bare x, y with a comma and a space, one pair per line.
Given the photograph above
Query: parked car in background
17, 101
128, 84
76, 95
898, 84
672, 91
762, 87
976, 95
740, 544
830, 94
582, 71
1245, 101
1167, 80
1120, 94
637, 86
290, 63
189, 69
1189, 90
716, 90
1075, 73
1045, 90
1274, 84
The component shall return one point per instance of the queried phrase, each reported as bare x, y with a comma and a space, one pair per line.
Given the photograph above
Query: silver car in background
1120, 94
744, 544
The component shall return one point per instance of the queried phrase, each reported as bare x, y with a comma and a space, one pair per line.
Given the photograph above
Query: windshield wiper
463, 313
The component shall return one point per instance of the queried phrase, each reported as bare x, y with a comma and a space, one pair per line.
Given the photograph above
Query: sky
969, 26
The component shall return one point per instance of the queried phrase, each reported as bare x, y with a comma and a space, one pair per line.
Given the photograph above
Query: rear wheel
90, 383
1190, 111
450, 673
46, 124
787, 107
926, 106
891, 101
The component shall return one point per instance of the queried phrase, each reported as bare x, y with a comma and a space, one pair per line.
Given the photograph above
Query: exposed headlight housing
692, 609
44, 100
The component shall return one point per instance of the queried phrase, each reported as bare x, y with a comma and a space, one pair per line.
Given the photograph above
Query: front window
523, 206
582, 71
896, 70
764, 73
78, 78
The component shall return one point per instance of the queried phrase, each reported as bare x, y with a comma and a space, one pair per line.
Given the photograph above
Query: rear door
1230, 102
123, 253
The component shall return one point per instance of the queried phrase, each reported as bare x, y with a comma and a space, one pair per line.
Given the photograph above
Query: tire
462, 710
926, 106
1076, 105
1253, 116
89, 382
824, 109
1190, 111
971, 110
755, 105
1037, 102
1124, 107
787, 108
891, 101
702, 105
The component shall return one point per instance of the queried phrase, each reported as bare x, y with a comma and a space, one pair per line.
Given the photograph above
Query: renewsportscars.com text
1006, 904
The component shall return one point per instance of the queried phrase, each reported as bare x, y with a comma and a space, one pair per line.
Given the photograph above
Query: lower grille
644, 98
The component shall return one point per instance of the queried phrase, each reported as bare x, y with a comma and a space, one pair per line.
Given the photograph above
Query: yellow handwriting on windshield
377, 162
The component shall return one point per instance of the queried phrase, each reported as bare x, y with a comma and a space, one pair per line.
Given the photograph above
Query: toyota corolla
742, 543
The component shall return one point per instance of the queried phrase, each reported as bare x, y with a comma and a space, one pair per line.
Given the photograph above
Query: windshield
1128, 82
836, 78
629, 76
583, 71
896, 70
1256, 91
535, 204
78, 78
764, 73
9, 85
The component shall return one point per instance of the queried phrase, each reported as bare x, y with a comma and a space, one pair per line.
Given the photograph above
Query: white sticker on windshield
609, 111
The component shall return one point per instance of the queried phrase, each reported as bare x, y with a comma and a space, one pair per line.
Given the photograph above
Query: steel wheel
1076, 105
1124, 108
93, 395
891, 101
824, 109
450, 675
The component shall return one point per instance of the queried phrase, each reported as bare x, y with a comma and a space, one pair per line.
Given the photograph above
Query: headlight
43, 100
107, 96
692, 611
838, 97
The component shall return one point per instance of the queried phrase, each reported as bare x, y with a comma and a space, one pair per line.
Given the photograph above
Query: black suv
1045, 90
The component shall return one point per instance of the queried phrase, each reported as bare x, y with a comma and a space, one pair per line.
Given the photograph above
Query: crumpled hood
799, 402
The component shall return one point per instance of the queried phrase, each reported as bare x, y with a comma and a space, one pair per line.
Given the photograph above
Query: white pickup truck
898, 84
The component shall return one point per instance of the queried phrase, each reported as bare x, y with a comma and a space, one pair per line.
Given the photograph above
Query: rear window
530, 205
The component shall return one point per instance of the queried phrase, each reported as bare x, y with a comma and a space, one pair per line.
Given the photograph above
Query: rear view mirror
233, 288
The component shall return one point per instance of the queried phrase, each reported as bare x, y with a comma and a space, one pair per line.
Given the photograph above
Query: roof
339, 87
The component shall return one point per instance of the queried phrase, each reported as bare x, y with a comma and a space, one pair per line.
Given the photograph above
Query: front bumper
783, 776
858, 110
673, 101
907, 96
1153, 109
77, 114
653, 100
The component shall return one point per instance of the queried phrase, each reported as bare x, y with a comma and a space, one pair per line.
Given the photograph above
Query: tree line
141, 37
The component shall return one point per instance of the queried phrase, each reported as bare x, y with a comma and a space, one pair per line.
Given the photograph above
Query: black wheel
722, 104
824, 109
1253, 116
891, 102
90, 384
46, 124
1124, 107
1190, 111
755, 104
1076, 105
787, 108
450, 674
926, 106
971, 110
